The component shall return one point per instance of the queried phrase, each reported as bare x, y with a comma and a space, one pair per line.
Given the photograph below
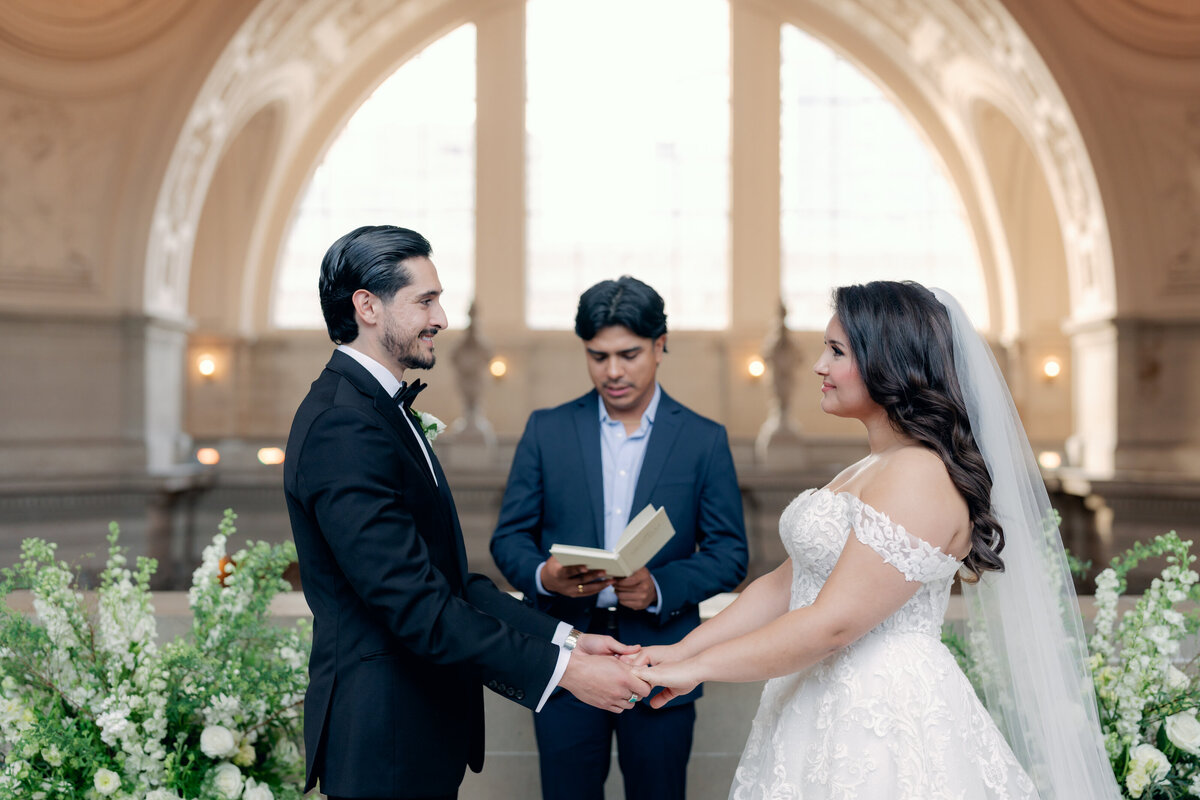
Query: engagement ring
633, 698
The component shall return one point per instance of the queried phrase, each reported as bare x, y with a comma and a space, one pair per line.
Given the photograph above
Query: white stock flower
162, 794
52, 756
227, 779
217, 741
1183, 730
257, 791
106, 781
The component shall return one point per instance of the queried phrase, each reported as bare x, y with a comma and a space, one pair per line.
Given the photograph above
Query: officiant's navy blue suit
403, 636
555, 494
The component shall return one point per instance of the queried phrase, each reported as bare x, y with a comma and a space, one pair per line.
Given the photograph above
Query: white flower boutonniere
430, 425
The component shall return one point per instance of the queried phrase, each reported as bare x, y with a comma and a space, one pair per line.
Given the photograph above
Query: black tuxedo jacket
403, 636
556, 494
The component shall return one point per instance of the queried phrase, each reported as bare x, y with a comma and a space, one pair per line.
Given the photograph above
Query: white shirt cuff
564, 655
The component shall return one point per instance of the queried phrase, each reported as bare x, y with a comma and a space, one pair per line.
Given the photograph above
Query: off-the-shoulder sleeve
915, 558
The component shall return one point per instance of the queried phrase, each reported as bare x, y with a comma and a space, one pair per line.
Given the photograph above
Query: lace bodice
814, 528
891, 716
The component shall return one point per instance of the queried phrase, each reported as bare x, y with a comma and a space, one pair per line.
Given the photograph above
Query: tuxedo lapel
667, 425
587, 428
365, 382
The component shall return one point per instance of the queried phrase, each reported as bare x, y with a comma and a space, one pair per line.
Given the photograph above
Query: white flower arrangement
1147, 703
430, 425
92, 707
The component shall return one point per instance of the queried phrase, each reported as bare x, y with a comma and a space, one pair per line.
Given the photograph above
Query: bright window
406, 157
864, 196
627, 123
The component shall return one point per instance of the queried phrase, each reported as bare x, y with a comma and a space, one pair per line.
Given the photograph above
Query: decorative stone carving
86, 30
470, 361
779, 442
304, 46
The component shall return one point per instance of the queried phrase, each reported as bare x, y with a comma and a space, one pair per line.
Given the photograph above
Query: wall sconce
1049, 459
270, 455
1051, 368
498, 367
756, 368
206, 365
208, 456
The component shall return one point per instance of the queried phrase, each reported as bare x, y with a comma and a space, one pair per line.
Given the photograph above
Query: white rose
228, 780
1177, 680
257, 791
217, 741
1147, 765
106, 781
1183, 730
286, 752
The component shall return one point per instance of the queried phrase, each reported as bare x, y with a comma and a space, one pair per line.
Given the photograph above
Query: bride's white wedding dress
890, 716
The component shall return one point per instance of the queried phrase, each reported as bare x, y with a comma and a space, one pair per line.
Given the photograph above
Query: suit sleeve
517, 541
720, 561
348, 467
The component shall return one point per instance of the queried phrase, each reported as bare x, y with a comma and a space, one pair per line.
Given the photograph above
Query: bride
864, 700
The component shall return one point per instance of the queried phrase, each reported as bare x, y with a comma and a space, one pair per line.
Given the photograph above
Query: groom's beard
409, 351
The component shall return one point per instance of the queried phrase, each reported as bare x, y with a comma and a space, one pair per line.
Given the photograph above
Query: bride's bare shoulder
912, 487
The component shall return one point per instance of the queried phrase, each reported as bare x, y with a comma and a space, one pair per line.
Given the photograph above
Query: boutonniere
430, 425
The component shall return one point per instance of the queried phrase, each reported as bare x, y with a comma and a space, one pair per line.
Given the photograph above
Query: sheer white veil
1026, 635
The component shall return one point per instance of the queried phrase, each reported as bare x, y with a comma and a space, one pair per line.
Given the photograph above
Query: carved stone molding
305, 47
946, 39
85, 30
1159, 27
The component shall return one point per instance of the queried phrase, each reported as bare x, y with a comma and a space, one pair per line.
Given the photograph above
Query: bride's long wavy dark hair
903, 346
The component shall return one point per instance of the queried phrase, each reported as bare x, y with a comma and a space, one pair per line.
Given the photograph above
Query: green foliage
92, 706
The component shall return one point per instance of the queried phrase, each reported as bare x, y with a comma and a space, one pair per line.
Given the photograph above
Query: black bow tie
408, 392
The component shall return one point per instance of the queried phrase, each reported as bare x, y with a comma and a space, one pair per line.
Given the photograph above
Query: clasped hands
612, 676
575, 580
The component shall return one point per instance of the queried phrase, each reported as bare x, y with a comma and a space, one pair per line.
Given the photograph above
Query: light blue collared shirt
621, 457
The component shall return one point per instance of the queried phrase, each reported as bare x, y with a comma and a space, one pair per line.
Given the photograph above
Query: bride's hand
677, 679
650, 656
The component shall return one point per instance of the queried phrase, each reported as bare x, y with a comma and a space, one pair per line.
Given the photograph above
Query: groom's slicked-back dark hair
368, 258
625, 301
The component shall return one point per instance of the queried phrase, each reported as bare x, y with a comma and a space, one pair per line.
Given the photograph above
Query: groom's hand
637, 591
602, 681
573, 580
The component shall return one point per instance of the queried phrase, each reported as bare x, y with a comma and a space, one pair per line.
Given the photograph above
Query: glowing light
498, 367
208, 456
270, 455
756, 368
206, 365
1051, 367
1050, 459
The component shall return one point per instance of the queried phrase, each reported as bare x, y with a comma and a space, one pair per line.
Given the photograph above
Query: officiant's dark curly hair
625, 301
371, 258
902, 342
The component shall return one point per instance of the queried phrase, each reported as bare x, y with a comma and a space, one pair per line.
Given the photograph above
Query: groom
403, 635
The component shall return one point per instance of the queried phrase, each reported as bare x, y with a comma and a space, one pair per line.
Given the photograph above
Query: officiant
581, 471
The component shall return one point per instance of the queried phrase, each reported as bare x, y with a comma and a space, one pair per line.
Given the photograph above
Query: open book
642, 538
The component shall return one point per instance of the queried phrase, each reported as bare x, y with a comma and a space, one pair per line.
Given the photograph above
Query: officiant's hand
602, 681
573, 580
637, 591
677, 679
